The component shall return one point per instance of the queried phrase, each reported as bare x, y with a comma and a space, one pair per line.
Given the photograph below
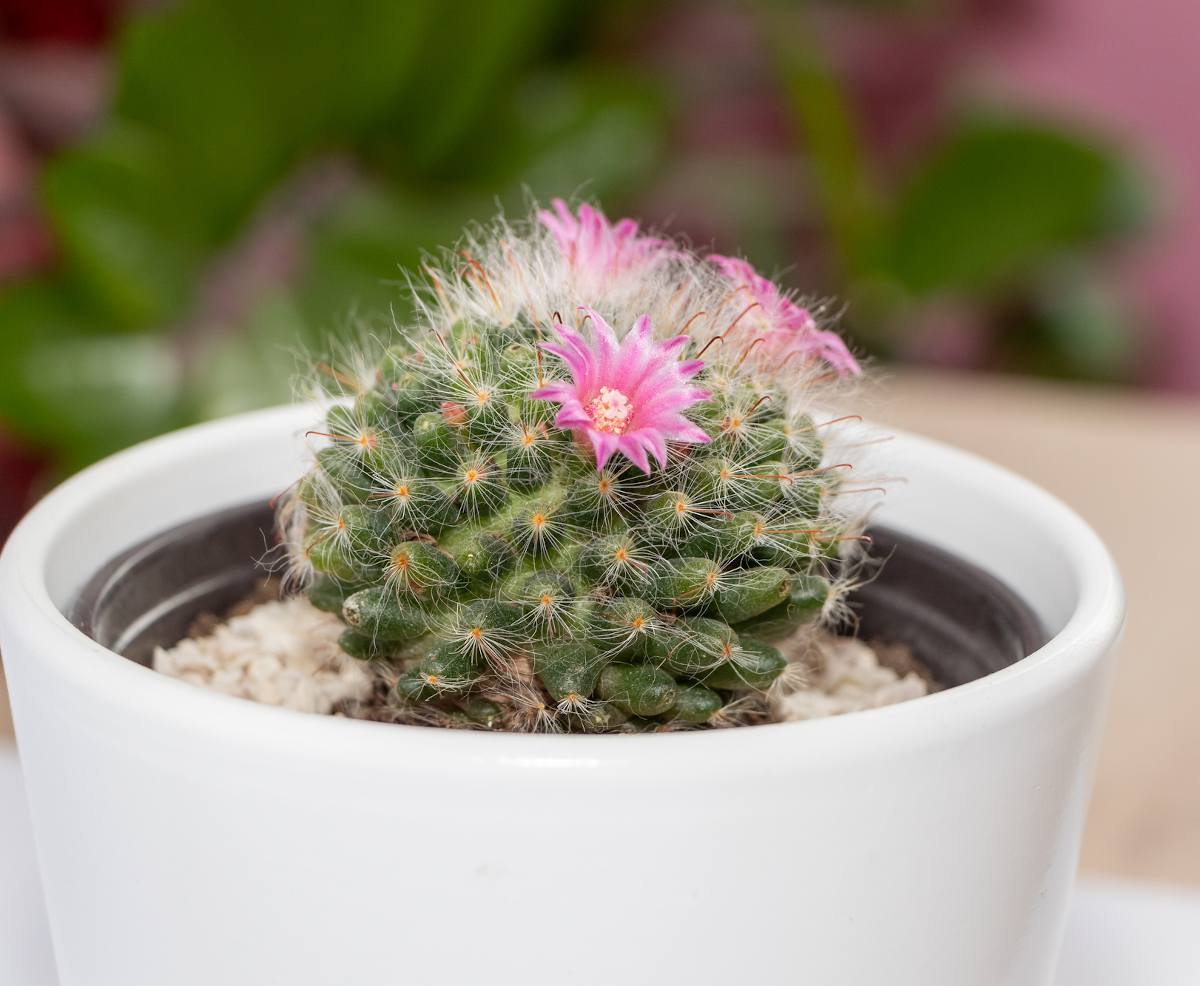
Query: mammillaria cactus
590, 490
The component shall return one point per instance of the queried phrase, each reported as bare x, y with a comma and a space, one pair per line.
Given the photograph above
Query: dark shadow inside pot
959, 621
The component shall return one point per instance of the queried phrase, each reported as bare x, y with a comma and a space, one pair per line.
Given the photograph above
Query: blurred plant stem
826, 124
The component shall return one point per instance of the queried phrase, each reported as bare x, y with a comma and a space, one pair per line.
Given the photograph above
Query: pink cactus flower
598, 248
625, 395
785, 327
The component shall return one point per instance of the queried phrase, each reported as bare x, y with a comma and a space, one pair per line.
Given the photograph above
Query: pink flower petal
691, 433
633, 449
572, 416
554, 392
785, 327
604, 444
598, 249
656, 442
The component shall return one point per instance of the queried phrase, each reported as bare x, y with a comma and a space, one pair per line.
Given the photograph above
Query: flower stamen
610, 411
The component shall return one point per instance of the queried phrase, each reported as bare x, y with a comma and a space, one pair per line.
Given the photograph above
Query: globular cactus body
620, 548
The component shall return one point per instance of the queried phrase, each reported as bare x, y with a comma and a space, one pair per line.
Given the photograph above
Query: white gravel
848, 678
280, 653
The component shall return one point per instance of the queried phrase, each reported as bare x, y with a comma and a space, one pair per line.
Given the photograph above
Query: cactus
588, 491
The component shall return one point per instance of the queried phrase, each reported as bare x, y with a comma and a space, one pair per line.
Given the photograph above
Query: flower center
610, 411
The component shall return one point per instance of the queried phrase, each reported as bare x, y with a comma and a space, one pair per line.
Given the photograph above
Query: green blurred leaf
1075, 326
360, 253
241, 90
466, 63
85, 394
564, 128
114, 206
109, 391
996, 199
31, 312
839, 170
257, 367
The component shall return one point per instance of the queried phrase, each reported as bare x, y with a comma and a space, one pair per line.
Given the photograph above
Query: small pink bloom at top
784, 326
597, 248
625, 395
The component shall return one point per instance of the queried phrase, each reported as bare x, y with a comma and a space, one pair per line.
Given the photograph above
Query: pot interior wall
961, 622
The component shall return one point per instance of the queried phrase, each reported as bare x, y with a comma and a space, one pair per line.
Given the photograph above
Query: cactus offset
530, 520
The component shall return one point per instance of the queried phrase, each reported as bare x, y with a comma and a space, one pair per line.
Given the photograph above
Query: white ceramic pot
189, 838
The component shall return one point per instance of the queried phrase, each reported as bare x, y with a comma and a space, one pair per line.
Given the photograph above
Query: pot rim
27, 609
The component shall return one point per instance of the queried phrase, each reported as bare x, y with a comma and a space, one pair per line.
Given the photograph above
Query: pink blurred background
1131, 68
